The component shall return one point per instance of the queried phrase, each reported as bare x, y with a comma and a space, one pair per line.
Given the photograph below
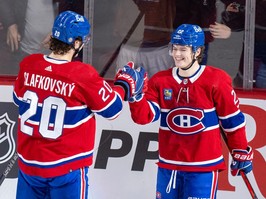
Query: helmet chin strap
77, 51
191, 64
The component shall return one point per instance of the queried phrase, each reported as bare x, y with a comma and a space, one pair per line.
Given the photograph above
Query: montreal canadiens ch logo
7, 142
185, 121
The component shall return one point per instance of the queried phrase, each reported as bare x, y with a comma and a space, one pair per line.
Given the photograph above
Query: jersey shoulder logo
167, 94
185, 120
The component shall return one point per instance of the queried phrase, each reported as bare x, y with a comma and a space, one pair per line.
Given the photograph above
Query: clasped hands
133, 81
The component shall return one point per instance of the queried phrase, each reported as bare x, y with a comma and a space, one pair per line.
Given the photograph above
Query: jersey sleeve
146, 110
100, 97
231, 118
19, 83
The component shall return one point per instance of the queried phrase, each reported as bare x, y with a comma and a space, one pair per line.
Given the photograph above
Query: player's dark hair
200, 56
60, 48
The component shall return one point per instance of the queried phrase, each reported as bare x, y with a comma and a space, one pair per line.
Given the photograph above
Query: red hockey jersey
57, 101
190, 111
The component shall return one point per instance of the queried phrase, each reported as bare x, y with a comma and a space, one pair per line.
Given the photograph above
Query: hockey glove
137, 97
242, 160
132, 80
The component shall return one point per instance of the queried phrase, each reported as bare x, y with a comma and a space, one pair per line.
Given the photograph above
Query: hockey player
57, 100
191, 101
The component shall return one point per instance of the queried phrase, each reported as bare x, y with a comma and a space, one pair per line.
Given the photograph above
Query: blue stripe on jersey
210, 119
72, 116
113, 109
156, 111
15, 99
233, 121
55, 163
207, 163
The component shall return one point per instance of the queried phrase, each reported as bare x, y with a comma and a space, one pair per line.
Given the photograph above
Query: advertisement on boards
125, 154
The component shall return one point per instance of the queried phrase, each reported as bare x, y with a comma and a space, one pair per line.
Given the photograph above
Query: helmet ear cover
69, 26
188, 35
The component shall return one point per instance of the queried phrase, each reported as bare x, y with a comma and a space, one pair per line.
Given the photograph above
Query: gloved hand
137, 97
242, 160
132, 80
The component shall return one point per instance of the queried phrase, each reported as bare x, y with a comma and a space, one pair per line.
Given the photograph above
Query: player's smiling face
182, 55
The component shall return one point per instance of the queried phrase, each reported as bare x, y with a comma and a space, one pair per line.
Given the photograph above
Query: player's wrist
125, 87
136, 98
120, 91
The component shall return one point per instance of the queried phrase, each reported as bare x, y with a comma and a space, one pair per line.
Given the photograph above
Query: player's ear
77, 44
198, 52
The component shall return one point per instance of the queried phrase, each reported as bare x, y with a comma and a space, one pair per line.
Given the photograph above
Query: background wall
125, 154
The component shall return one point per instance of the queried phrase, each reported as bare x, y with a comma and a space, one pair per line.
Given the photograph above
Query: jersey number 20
46, 129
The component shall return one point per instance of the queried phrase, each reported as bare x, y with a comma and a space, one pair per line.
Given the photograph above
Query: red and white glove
242, 161
132, 80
